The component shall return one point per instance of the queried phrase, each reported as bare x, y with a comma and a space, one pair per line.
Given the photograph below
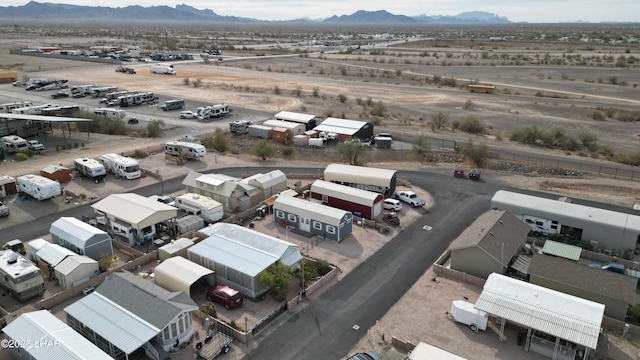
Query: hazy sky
533, 11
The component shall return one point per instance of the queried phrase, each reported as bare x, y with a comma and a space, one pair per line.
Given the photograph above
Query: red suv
225, 295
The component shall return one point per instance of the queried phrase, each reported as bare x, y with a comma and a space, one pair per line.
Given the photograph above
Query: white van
392, 204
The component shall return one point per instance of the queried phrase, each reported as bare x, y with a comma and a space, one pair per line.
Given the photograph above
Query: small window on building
331, 229
349, 220
280, 214
292, 217
325, 199
317, 225
539, 223
554, 227
554, 222
528, 221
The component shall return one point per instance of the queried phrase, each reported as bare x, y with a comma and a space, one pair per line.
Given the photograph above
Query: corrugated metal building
362, 177
308, 120
346, 129
238, 255
366, 203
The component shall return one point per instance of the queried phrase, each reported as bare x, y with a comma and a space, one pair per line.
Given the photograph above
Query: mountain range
185, 13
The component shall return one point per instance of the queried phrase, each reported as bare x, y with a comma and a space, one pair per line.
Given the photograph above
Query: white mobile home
81, 238
606, 230
203, 206
311, 217
366, 178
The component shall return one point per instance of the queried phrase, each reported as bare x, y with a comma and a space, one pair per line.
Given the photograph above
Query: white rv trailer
203, 206
14, 105
114, 114
184, 149
136, 99
121, 166
38, 187
90, 168
213, 111
22, 278
14, 144
32, 110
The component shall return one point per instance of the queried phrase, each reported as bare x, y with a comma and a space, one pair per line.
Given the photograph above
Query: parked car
392, 204
410, 198
78, 95
19, 83
188, 115
458, 172
59, 94
4, 210
35, 145
225, 295
368, 355
474, 174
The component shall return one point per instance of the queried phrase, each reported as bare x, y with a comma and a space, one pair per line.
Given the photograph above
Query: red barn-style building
362, 203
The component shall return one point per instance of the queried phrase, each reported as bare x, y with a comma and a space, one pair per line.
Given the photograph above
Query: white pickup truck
410, 198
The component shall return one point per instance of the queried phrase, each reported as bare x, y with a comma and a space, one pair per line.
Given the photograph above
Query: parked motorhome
203, 206
175, 104
82, 89
113, 114
38, 187
14, 144
184, 149
239, 127
101, 91
90, 168
19, 276
121, 166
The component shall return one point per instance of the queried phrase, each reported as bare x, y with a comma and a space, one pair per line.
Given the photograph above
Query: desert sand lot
313, 84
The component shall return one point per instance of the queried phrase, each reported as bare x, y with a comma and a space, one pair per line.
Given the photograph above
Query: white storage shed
177, 247
53, 254
76, 269
295, 128
33, 246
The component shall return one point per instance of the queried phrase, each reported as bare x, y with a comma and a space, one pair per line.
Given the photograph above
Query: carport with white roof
180, 274
558, 325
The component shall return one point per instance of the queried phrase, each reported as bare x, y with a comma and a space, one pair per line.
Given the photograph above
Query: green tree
421, 145
264, 149
155, 128
220, 142
438, 119
105, 262
352, 151
478, 154
276, 277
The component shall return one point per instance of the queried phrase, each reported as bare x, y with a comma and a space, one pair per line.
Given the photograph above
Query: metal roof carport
537, 308
47, 337
179, 274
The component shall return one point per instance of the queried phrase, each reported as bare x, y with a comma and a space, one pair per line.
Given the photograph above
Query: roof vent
491, 233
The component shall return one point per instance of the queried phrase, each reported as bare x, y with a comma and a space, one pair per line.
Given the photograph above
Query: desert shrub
378, 109
287, 151
343, 98
21, 156
597, 115
473, 125
140, 154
